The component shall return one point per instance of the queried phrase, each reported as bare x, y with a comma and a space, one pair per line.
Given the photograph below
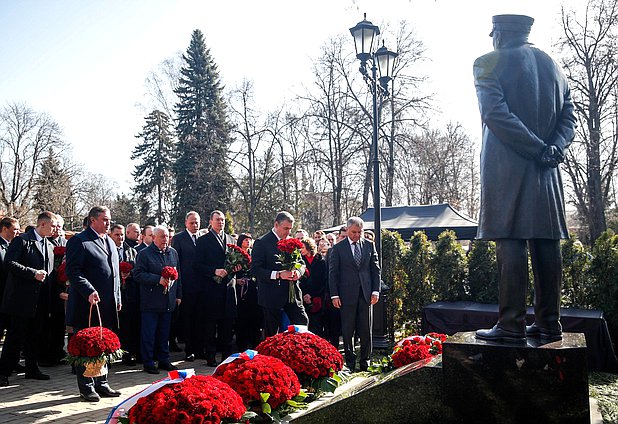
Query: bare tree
26, 137
161, 84
589, 47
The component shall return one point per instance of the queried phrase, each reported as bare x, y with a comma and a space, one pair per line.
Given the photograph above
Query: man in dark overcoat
528, 122
219, 299
94, 279
28, 261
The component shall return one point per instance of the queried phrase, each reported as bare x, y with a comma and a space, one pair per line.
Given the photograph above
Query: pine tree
53, 187
202, 178
154, 174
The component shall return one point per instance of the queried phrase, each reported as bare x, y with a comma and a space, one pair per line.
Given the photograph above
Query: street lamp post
381, 61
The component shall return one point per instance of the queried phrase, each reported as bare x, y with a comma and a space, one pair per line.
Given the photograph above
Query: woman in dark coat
313, 286
248, 326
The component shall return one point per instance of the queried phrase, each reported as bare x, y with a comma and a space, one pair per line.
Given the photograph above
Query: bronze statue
528, 122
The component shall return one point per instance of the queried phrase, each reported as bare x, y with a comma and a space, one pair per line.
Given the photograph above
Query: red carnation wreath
313, 359
262, 381
414, 348
198, 399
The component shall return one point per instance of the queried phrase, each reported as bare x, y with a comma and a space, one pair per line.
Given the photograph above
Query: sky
85, 61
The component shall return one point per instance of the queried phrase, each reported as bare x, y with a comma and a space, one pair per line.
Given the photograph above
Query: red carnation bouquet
59, 252
234, 256
198, 399
171, 275
61, 275
94, 347
125, 268
290, 259
265, 383
411, 349
314, 360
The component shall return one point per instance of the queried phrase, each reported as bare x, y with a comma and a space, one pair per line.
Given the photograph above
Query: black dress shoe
167, 366
544, 334
212, 363
19, 368
4, 381
105, 391
129, 360
497, 334
90, 397
151, 369
190, 358
36, 375
175, 348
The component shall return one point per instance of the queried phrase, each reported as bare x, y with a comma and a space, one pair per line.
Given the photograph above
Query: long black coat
147, 273
525, 104
220, 298
130, 290
90, 267
191, 282
22, 294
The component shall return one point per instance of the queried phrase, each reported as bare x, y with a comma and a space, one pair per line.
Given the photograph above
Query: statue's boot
547, 268
512, 261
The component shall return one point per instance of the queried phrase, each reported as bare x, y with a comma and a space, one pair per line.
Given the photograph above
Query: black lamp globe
364, 34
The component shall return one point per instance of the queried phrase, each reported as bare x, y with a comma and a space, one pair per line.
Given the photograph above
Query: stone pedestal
496, 382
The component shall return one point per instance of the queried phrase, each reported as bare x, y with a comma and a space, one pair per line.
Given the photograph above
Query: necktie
357, 253
120, 253
45, 256
194, 237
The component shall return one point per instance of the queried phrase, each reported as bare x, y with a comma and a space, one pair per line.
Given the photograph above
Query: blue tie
357, 253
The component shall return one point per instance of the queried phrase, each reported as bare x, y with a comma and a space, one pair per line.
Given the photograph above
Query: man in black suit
129, 315
191, 310
132, 234
28, 261
220, 296
354, 282
9, 229
146, 238
273, 283
92, 269
51, 348
528, 123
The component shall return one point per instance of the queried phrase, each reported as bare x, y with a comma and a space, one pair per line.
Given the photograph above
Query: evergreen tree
483, 272
449, 268
202, 179
154, 174
53, 187
123, 210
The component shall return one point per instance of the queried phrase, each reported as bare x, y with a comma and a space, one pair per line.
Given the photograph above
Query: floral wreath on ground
265, 383
314, 360
93, 345
409, 350
198, 399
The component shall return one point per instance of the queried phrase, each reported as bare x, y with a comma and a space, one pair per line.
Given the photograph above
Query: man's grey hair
355, 221
192, 213
284, 216
159, 229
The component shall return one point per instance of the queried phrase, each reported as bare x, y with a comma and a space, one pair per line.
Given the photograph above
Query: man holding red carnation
275, 283
159, 295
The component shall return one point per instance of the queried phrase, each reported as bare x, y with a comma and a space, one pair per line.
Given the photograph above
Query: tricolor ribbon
247, 355
297, 329
124, 406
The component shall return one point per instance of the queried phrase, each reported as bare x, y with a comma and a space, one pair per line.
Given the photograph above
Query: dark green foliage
123, 210
418, 292
53, 188
604, 276
394, 275
202, 178
483, 272
576, 277
154, 172
450, 268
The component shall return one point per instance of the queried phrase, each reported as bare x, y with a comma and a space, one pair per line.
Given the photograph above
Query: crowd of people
52, 280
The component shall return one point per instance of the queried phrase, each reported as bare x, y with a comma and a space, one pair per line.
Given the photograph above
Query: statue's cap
513, 23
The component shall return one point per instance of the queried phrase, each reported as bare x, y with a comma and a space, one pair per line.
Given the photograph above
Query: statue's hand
551, 156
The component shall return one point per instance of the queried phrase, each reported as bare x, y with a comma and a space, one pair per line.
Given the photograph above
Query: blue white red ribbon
247, 355
124, 406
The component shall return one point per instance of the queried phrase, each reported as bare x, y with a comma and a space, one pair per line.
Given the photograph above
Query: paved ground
57, 400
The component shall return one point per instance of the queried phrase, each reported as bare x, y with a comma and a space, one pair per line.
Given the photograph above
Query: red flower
61, 275
60, 250
415, 348
125, 266
310, 356
262, 374
169, 272
96, 343
289, 245
198, 399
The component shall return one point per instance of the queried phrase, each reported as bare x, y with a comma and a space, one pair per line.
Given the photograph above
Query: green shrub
604, 275
483, 272
394, 275
449, 266
576, 281
419, 291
